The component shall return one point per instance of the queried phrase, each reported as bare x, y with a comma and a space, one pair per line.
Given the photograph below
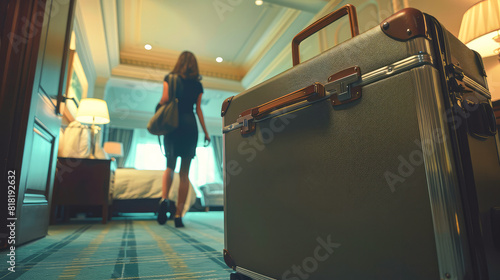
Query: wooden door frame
20, 35
18, 58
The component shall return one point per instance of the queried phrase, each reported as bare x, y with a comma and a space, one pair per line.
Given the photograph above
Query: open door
34, 48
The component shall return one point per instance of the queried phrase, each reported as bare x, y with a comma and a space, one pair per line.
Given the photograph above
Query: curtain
217, 145
130, 161
123, 136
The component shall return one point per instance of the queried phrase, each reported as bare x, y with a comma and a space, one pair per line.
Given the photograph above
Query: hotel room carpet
129, 247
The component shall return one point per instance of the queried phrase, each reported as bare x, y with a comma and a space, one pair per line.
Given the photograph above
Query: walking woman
182, 141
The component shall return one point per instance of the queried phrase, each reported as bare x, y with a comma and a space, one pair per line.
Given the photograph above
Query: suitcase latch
340, 87
455, 75
247, 123
455, 78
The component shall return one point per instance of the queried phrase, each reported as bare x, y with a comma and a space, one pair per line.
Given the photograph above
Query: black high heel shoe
178, 222
162, 212
171, 209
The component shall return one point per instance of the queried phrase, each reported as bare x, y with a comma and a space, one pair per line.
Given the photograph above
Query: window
145, 154
148, 157
203, 167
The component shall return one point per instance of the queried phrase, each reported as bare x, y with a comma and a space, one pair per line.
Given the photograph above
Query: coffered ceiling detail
237, 30
233, 30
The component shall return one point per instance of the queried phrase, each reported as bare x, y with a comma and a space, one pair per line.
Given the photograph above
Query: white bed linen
135, 184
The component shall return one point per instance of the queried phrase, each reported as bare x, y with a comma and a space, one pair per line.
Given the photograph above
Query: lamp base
92, 142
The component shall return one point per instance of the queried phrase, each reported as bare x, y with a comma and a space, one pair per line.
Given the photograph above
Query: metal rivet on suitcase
408, 31
386, 25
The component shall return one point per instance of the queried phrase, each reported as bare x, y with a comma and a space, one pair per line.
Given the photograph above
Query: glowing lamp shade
94, 111
480, 28
114, 149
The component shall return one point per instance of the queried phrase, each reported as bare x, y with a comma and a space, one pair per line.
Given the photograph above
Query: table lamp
480, 28
93, 111
114, 149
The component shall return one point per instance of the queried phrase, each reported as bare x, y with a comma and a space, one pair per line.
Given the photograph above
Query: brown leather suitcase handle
309, 93
322, 23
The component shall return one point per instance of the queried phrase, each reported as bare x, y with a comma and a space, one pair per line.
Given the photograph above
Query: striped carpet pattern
130, 247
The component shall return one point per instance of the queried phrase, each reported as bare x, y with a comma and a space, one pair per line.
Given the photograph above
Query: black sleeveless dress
182, 141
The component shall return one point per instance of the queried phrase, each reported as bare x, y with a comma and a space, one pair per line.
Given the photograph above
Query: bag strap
172, 83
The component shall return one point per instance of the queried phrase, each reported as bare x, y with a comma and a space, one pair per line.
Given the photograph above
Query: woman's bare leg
183, 185
168, 177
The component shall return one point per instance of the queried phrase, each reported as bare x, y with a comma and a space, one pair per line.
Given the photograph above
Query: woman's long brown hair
187, 66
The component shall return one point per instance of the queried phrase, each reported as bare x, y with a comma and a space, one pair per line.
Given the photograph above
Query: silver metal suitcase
377, 159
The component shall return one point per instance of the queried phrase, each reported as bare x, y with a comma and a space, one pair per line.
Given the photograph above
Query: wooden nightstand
84, 182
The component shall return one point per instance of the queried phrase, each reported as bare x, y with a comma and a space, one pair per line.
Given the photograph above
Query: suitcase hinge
340, 86
225, 105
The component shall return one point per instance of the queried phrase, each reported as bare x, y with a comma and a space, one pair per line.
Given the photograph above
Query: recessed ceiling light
259, 2
148, 47
219, 59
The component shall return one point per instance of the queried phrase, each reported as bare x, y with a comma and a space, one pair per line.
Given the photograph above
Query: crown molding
101, 81
260, 71
132, 10
270, 37
92, 19
110, 21
312, 8
265, 22
165, 60
328, 8
83, 49
281, 44
157, 75
277, 62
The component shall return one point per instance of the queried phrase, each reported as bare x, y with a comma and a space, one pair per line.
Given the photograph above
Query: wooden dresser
83, 182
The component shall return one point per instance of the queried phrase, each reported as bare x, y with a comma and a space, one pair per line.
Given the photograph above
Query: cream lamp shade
480, 28
114, 149
92, 110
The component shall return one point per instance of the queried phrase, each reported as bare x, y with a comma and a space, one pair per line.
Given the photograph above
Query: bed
136, 191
